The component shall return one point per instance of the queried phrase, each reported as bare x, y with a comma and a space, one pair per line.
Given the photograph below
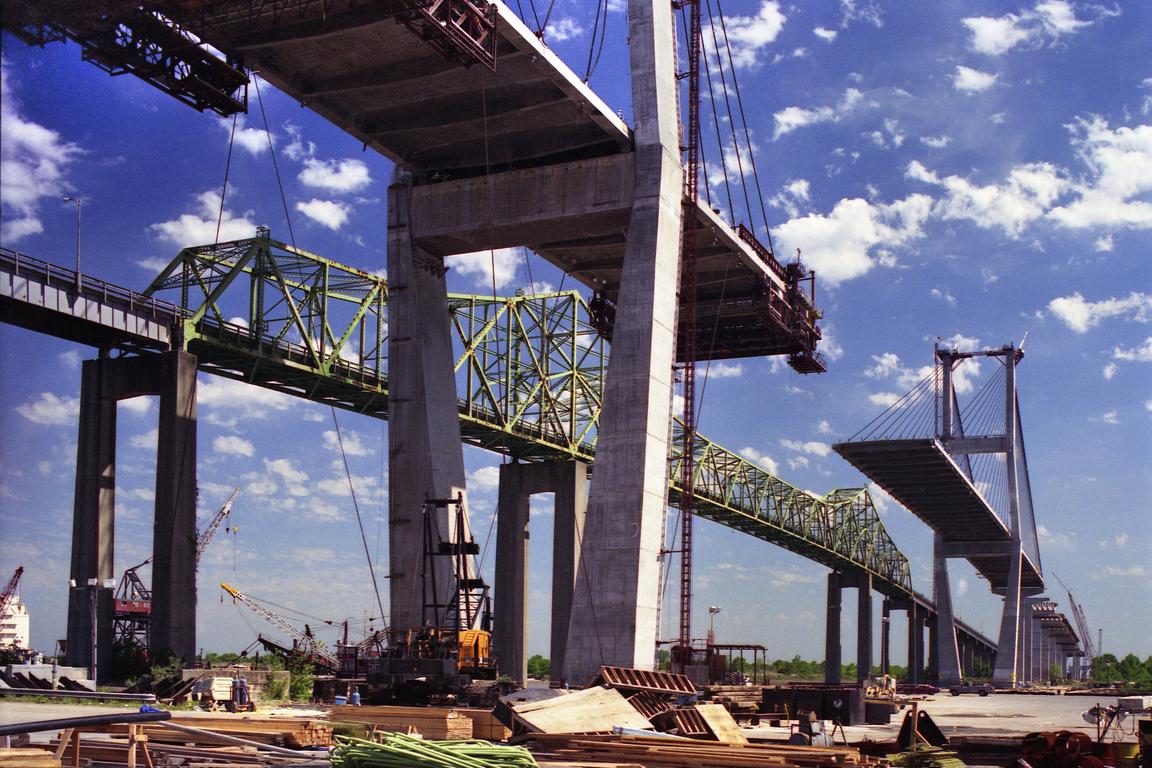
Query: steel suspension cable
275, 165
719, 142
227, 171
728, 106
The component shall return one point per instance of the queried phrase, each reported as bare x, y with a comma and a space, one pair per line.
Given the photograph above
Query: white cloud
1081, 315
245, 400
827, 35
798, 462
1140, 354
136, 406
254, 141
286, 470
723, 370
936, 142
1105, 244
484, 478
794, 195
145, 440
1111, 417
1114, 193
1110, 370
881, 499
233, 445
480, 264
1043, 24
563, 28
790, 119
748, 36
887, 364
813, 447
972, 80
829, 347
199, 227
51, 410
762, 459
339, 176
839, 245
296, 149
353, 443
824, 427
944, 296
33, 163
329, 213
1133, 570
1148, 405
1023, 198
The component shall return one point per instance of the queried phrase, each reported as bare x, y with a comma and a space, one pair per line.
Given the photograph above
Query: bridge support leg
174, 537
915, 644
93, 520
832, 659
568, 480
885, 637
946, 652
614, 613
864, 628
172, 376
1008, 644
426, 459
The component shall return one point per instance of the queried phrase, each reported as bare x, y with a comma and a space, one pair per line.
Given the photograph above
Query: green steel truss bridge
529, 370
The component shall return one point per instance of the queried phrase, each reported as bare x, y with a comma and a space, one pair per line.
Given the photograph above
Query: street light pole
76, 201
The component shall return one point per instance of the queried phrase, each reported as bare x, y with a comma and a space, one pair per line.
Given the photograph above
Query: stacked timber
28, 757
429, 722
662, 752
737, 699
485, 725
275, 731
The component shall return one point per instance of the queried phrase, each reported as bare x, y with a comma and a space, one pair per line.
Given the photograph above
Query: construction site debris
279, 732
656, 752
429, 722
625, 679
28, 757
722, 725
592, 710
397, 750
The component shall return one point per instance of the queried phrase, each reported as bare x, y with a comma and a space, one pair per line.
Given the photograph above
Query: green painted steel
530, 370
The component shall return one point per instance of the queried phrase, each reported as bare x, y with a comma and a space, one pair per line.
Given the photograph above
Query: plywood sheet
592, 710
722, 724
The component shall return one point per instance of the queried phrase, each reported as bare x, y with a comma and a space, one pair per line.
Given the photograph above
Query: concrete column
628, 498
864, 628
425, 455
174, 531
93, 519
885, 637
933, 672
1008, 643
568, 480
832, 655
945, 651
915, 644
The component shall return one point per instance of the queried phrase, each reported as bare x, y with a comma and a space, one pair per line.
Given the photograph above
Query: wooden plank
591, 710
722, 724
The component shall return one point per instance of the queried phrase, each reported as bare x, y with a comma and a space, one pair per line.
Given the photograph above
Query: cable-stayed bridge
964, 472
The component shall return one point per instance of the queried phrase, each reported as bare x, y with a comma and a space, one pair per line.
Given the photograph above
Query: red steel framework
688, 320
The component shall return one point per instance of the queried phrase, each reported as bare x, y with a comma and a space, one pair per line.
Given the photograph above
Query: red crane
10, 590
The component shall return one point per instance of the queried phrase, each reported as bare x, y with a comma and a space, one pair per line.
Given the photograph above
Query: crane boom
305, 642
214, 526
10, 590
1081, 623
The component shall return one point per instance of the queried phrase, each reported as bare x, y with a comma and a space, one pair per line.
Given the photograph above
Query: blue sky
972, 171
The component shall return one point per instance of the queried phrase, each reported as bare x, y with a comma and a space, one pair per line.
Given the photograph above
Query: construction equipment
1081, 625
132, 604
304, 643
10, 589
438, 661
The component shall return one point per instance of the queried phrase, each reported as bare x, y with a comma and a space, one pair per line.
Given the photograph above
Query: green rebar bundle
398, 750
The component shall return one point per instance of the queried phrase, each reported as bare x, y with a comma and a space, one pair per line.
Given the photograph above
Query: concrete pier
105, 381
568, 480
614, 617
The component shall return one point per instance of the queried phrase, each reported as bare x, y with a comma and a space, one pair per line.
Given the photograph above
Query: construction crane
305, 642
10, 590
1081, 624
210, 532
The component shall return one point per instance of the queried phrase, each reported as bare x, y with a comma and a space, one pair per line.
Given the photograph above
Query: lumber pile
552, 750
28, 757
275, 731
429, 722
102, 751
485, 725
736, 698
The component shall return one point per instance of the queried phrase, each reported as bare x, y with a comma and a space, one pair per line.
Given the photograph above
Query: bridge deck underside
923, 477
450, 123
